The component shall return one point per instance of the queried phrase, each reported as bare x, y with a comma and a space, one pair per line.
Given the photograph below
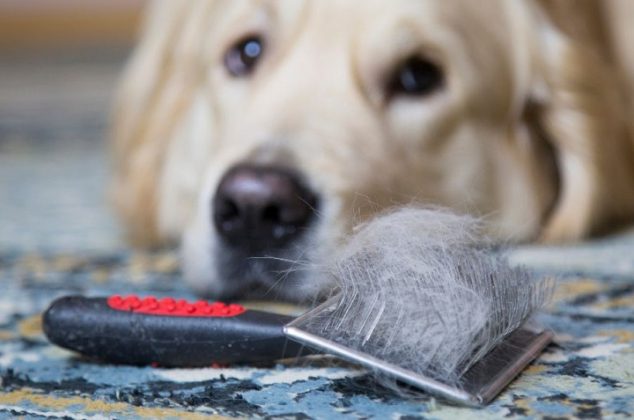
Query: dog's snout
261, 207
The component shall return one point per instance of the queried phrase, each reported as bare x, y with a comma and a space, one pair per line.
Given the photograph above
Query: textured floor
58, 237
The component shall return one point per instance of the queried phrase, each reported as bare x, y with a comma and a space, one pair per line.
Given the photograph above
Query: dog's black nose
259, 207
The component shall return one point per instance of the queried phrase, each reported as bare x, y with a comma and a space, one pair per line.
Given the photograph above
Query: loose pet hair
261, 131
418, 290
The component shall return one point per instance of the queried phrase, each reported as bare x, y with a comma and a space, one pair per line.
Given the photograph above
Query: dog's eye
242, 58
415, 77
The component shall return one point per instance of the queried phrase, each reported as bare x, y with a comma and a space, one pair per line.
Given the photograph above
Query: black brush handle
167, 332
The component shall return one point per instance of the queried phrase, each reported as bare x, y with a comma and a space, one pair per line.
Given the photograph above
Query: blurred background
67, 23
59, 62
59, 65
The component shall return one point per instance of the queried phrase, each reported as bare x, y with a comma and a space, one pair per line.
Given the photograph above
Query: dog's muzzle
261, 208
263, 224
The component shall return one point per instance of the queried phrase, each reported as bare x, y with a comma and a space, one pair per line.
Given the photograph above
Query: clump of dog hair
422, 289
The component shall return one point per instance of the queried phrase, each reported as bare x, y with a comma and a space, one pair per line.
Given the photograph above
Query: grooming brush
419, 301
168, 333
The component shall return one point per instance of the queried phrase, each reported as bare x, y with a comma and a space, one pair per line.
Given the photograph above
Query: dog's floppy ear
583, 113
156, 88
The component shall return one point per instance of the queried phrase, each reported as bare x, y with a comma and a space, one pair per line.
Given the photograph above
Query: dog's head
262, 130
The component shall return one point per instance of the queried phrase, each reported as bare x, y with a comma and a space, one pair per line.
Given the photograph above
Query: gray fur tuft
420, 290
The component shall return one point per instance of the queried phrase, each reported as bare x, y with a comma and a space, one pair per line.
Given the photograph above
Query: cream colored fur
532, 130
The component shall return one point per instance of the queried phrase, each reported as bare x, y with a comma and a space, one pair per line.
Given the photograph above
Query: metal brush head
482, 382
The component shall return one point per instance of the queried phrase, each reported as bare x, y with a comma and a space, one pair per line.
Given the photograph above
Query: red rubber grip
171, 307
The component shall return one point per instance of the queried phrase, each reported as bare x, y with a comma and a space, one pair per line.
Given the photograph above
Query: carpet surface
58, 237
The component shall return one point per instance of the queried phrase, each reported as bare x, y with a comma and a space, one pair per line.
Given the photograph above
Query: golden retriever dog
261, 131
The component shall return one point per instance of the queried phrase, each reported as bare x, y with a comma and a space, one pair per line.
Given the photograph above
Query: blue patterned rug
57, 237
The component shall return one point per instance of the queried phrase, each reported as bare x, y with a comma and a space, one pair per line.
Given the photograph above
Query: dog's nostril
260, 207
280, 227
228, 214
271, 213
